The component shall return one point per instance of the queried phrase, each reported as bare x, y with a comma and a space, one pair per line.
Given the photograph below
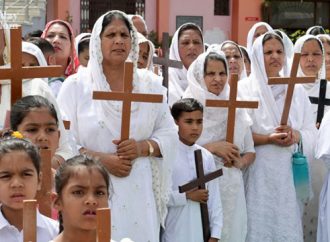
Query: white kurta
183, 222
134, 213
322, 152
47, 229
38, 86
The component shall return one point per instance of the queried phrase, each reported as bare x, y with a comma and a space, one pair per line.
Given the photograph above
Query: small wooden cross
165, 61
103, 224
44, 195
291, 81
29, 221
16, 73
321, 101
127, 97
200, 182
232, 104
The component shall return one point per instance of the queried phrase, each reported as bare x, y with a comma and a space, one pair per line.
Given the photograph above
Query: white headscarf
215, 119
78, 39
310, 29
322, 72
179, 76
243, 71
288, 45
142, 39
249, 42
34, 50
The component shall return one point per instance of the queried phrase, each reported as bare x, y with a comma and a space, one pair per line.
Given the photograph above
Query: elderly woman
139, 166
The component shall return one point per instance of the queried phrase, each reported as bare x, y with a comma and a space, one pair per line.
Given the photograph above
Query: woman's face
259, 31
234, 58
311, 58
273, 57
143, 55
190, 46
59, 36
215, 76
115, 42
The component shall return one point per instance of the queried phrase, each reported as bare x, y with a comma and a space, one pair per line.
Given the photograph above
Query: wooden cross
321, 101
199, 183
103, 224
44, 195
127, 97
16, 73
291, 81
29, 221
165, 61
232, 104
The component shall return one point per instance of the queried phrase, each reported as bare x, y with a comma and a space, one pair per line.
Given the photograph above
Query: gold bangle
151, 148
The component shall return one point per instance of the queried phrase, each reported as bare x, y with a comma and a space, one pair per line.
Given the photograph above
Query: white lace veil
78, 39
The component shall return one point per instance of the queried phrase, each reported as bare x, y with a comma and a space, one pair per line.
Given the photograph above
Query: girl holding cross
138, 166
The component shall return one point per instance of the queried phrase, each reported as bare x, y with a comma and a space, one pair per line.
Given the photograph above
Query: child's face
190, 126
143, 55
84, 57
19, 180
84, 192
29, 60
40, 127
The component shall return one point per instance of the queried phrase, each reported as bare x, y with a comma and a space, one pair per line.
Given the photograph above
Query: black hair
34, 33
83, 44
11, 144
317, 40
44, 45
190, 26
214, 56
269, 36
115, 15
185, 105
24, 105
65, 171
245, 54
316, 30
279, 33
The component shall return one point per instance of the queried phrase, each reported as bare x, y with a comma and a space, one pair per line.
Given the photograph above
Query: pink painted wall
250, 8
75, 13
150, 14
203, 8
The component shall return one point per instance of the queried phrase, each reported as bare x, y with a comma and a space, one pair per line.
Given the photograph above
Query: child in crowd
82, 186
183, 222
20, 180
82, 48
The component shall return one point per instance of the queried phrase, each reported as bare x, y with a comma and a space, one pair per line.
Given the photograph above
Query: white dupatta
250, 36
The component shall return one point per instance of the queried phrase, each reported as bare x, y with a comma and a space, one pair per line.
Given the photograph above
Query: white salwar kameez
37, 86
273, 209
322, 151
183, 222
214, 129
138, 201
318, 168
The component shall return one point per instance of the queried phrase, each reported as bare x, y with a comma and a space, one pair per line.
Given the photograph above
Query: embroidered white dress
138, 201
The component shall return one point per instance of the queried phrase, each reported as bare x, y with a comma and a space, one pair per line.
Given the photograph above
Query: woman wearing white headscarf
257, 29
322, 152
187, 44
146, 54
213, 138
38, 86
272, 204
312, 63
139, 166
325, 38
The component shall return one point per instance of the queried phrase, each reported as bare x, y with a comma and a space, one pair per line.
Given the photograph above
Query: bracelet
151, 148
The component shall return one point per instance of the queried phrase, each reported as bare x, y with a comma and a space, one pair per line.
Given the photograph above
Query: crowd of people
256, 198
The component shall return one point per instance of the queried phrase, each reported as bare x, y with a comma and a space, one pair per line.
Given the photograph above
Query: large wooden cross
29, 221
291, 81
321, 100
44, 195
16, 73
165, 61
103, 224
199, 183
127, 97
232, 104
